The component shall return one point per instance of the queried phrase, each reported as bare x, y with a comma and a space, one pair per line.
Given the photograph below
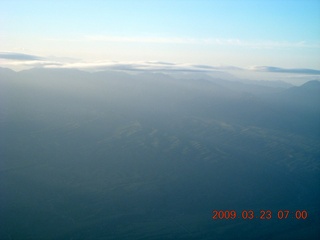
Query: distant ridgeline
113, 155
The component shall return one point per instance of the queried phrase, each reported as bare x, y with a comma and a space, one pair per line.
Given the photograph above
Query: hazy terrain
109, 155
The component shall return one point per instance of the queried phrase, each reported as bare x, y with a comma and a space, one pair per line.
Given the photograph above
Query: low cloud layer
148, 66
23, 61
19, 56
286, 70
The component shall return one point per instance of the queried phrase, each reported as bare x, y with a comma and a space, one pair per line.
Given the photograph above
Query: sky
265, 36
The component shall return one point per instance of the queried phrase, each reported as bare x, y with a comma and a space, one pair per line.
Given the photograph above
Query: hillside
117, 156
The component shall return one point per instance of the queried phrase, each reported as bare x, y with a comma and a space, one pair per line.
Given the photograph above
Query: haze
248, 36
139, 119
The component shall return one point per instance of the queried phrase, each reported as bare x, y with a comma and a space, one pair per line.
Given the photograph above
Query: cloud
286, 70
269, 44
231, 42
19, 56
140, 39
23, 61
219, 68
31, 61
155, 66
160, 62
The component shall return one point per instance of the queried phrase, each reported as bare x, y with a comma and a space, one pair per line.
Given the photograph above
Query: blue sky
281, 33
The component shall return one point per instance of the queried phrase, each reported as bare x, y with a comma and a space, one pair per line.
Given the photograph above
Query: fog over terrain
150, 154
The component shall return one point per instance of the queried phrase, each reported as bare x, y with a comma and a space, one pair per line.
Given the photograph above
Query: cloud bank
154, 66
22, 60
286, 70
18, 56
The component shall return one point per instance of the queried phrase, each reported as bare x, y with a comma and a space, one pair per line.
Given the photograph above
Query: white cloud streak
259, 44
207, 41
154, 66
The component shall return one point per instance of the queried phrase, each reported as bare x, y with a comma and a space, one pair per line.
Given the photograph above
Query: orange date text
261, 214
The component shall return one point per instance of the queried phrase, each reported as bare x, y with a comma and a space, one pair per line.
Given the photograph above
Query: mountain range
113, 155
